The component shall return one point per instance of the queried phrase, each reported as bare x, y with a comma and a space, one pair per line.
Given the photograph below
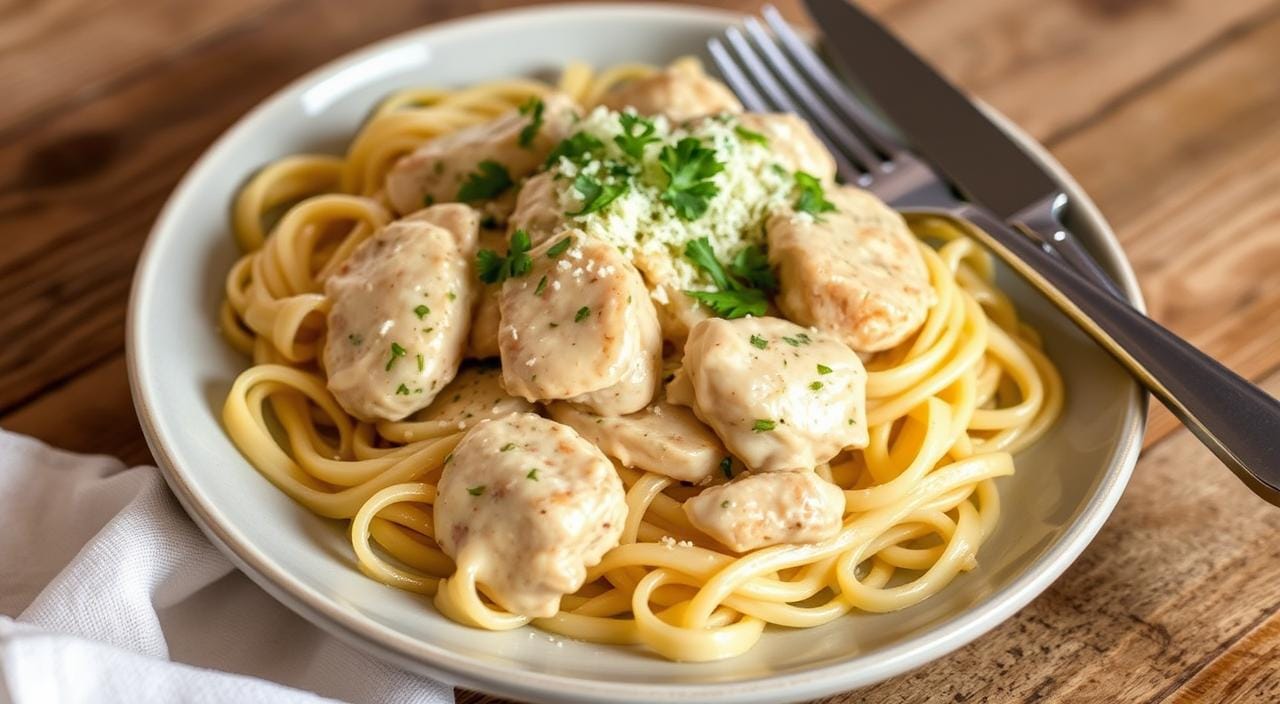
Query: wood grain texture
1167, 111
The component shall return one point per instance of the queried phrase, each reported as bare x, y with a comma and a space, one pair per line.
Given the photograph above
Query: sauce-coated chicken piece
580, 327
538, 211
476, 394
681, 92
759, 510
534, 504
792, 142
857, 272
662, 438
401, 312
779, 396
483, 341
438, 171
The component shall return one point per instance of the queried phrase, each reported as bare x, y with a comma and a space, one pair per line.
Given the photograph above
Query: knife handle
1234, 418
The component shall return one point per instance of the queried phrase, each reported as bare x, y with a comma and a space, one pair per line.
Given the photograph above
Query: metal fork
1238, 421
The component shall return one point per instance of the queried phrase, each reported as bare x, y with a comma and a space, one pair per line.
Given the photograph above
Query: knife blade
947, 130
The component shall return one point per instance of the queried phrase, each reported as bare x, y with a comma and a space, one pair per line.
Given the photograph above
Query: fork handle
1234, 418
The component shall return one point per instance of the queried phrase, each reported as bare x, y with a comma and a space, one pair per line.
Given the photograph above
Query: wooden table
1167, 111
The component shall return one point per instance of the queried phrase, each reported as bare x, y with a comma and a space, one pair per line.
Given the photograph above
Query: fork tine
736, 79
813, 107
830, 86
851, 166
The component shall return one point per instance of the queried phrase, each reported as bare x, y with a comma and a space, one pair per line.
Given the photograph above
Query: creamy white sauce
759, 510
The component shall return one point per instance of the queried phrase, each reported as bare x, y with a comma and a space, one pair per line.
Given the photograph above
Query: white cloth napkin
109, 593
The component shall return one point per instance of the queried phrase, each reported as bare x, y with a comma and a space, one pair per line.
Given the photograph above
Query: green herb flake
582, 314
690, 168
542, 285
476, 490
724, 504
636, 133
726, 466
732, 304
761, 425
794, 342
560, 247
759, 342
751, 264
815, 386
811, 200
494, 268
595, 194
428, 200
824, 369
355, 339
422, 363
396, 353
747, 135
533, 108
578, 148
489, 180
402, 390
508, 447
532, 475
421, 311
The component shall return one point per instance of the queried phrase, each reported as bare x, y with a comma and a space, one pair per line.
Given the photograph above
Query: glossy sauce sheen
779, 396
534, 504
401, 310
438, 169
759, 510
662, 438
590, 336
869, 284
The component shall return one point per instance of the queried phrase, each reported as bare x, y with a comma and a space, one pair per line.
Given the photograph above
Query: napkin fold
109, 593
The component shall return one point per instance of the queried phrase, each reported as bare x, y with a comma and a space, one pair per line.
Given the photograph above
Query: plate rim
438, 663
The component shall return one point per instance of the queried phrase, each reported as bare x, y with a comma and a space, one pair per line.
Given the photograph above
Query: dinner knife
946, 130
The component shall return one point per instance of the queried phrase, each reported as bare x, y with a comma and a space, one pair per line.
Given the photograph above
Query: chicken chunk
663, 438
857, 272
483, 341
534, 505
475, 395
680, 92
438, 170
779, 396
538, 211
401, 309
759, 510
580, 327
792, 142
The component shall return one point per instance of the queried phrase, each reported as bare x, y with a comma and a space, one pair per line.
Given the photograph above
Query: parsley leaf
733, 304
533, 474
689, 168
759, 342
421, 311
747, 135
542, 285
824, 369
576, 148
812, 200
700, 253
488, 181
533, 108
494, 268
476, 490
560, 247
762, 425
396, 353
751, 264
636, 132
582, 314
816, 386
595, 194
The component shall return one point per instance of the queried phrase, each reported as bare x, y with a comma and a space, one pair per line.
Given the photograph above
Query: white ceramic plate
181, 369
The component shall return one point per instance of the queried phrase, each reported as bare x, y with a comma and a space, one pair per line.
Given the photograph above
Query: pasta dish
619, 360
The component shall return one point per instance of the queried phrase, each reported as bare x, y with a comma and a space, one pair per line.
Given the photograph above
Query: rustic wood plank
1195, 207
1187, 563
1245, 672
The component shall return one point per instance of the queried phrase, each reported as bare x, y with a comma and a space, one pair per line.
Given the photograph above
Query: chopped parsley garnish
476, 490
560, 247
489, 180
396, 353
734, 299
596, 194
811, 199
689, 167
508, 447
724, 504
493, 268
542, 285
402, 390
582, 314
578, 147
815, 386
726, 466
422, 363
636, 132
421, 311
762, 425
751, 264
759, 342
794, 342
453, 296
355, 339
533, 108
533, 474
747, 135
824, 369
